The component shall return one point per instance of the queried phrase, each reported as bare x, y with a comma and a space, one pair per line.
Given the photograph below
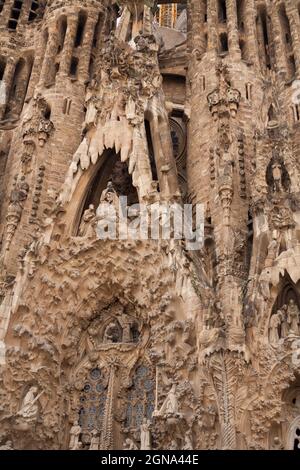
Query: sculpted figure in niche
277, 444
95, 440
145, 435
74, 436
188, 445
7, 446
112, 334
29, 408
272, 251
170, 405
276, 173
284, 319
293, 317
87, 218
129, 444
275, 323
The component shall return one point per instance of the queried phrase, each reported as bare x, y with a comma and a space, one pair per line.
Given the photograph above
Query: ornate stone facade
142, 343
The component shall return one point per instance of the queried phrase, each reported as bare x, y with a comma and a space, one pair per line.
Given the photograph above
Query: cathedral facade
125, 342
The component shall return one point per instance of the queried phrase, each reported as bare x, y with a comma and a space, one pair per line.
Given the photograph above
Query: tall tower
123, 341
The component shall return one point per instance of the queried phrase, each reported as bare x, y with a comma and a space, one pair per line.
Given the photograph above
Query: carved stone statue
74, 436
170, 405
275, 323
129, 444
284, 320
88, 216
111, 334
7, 446
95, 440
188, 445
145, 435
293, 317
29, 408
276, 173
277, 444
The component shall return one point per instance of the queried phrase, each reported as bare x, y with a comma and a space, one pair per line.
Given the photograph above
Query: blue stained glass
87, 387
95, 374
148, 384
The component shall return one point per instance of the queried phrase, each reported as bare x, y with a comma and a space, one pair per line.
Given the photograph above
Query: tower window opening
205, 11
223, 43
33, 10
296, 113
2, 68
74, 67
243, 49
248, 91
1, 5
240, 6
151, 151
80, 29
62, 28
222, 12
15, 14
297, 440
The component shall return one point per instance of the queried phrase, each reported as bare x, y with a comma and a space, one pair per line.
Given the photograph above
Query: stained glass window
140, 399
92, 403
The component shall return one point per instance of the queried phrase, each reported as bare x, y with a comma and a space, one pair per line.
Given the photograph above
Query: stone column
197, 14
37, 65
280, 52
294, 20
232, 28
5, 14
86, 50
24, 14
250, 32
8, 79
212, 25
47, 72
67, 52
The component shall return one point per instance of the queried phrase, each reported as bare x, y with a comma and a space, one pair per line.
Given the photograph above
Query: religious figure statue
29, 408
272, 251
170, 405
7, 446
111, 333
129, 444
74, 436
275, 323
173, 445
276, 173
284, 320
277, 444
110, 195
87, 218
293, 317
188, 445
95, 440
108, 213
145, 435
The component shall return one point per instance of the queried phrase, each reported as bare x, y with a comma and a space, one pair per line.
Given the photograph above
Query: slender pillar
86, 50
280, 51
212, 25
37, 65
67, 52
8, 78
47, 72
294, 20
197, 13
232, 28
5, 14
250, 32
